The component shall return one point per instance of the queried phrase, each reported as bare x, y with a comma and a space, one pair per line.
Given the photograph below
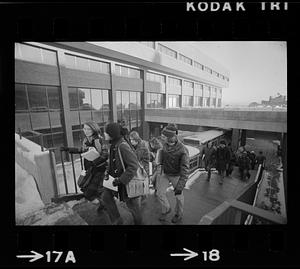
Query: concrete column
64, 94
145, 125
113, 95
167, 90
243, 137
235, 139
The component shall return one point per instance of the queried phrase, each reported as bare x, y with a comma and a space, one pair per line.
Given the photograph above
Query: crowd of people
165, 160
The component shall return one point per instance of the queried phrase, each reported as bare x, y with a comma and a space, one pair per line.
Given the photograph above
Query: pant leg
179, 198
133, 205
208, 169
162, 183
110, 205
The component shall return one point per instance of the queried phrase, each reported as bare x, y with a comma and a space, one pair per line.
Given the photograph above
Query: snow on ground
27, 197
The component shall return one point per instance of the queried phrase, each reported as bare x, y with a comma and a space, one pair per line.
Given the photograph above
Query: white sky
257, 69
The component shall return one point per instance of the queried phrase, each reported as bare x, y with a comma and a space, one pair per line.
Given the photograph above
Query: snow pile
27, 197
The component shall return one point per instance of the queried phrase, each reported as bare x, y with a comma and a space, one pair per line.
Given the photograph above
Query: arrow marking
34, 257
189, 255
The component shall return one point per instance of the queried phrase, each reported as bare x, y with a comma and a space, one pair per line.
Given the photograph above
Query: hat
113, 130
170, 130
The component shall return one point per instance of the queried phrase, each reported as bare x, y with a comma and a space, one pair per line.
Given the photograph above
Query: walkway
200, 197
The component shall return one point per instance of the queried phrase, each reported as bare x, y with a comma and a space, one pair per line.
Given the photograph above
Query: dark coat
244, 162
115, 166
223, 158
210, 156
175, 161
98, 167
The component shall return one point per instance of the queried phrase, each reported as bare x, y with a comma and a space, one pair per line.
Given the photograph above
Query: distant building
280, 100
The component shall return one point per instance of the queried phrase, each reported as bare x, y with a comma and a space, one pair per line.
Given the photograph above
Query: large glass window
34, 54
155, 77
37, 108
174, 81
21, 102
37, 97
155, 100
125, 71
219, 102
198, 65
198, 101
167, 51
85, 64
128, 108
188, 84
185, 59
187, 101
173, 100
88, 104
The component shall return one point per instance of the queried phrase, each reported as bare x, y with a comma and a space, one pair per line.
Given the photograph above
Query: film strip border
132, 247
146, 21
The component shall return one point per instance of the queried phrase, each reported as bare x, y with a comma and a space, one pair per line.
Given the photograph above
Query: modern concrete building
59, 86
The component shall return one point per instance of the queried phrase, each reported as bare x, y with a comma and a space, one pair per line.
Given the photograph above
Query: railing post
64, 172
20, 133
52, 163
73, 172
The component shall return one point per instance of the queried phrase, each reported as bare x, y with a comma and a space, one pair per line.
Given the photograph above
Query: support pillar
235, 139
243, 138
113, 95
145, 126
64, 94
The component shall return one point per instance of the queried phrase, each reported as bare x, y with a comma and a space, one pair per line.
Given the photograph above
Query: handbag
84, 180
139, 184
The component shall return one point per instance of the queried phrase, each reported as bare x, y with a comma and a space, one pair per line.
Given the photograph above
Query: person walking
154, 147
209, 158
223, 158
121, 177
141, 149
174, 169
94, 139
244, 164
260, 159
252, 157
231, 161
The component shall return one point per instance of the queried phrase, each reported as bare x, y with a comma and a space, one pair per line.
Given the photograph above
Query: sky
257, 69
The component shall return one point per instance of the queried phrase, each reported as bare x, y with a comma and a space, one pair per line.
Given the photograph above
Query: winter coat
223, 158
98, 166
143, 154
209, 156
244, 162
115, 168
175, 161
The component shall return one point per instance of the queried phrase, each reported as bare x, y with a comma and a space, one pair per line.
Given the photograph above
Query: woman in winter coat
94, 139
141, 150
118, 146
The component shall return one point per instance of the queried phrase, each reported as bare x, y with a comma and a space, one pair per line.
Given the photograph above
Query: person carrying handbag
121, 177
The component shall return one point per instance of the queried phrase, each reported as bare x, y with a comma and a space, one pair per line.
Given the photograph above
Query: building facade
59, 86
